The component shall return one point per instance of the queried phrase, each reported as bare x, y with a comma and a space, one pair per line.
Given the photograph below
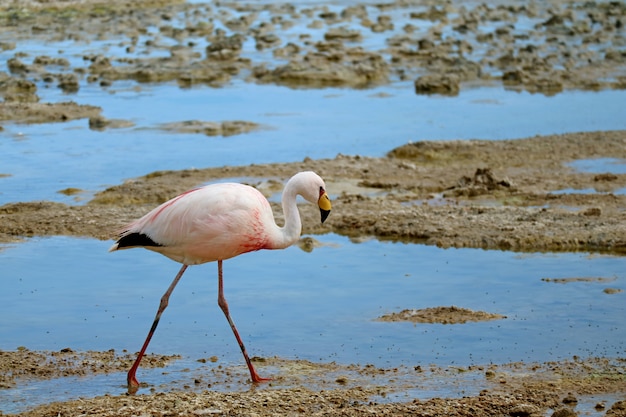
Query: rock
570, 399
564, 412
68, 83
266, 40
592, 211
16, 66
334, 68
383, 23
437, 84
513, 77
343, 33
605, 177
225, 48
483, 182
617, 410
524, 410
15, 89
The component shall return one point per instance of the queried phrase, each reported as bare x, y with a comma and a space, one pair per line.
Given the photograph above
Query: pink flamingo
214, 223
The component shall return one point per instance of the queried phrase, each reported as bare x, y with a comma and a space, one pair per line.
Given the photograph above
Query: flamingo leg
133, 384
221, 301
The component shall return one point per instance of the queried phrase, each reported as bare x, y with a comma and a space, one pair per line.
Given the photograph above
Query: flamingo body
207, 224
218, 222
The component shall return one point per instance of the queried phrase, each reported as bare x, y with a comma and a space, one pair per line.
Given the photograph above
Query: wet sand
481, 194
484, 194
305, 388
495, 195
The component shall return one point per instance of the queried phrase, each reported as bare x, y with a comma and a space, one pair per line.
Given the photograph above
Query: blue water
600, 165
321, 306
43, 159
39, 160
66, 292
62, 292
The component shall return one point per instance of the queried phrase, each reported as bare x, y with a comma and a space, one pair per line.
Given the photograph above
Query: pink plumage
218, 222
207, 224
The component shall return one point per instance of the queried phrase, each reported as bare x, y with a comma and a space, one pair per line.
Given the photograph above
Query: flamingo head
311, 186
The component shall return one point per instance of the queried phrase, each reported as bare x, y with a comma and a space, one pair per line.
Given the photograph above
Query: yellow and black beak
324, 204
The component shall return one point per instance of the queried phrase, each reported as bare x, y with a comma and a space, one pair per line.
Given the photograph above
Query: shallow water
65, 292
43, 159
39, 160
600, 165
79, 295
319, 306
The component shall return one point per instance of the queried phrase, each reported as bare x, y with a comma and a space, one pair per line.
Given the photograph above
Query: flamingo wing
215, 222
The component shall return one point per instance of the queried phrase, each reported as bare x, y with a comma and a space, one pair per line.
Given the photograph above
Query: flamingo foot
133, 384
256, 378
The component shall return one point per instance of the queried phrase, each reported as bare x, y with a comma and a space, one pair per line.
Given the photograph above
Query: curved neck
291, 230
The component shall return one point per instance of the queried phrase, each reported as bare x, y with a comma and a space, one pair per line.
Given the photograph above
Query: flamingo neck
291, 230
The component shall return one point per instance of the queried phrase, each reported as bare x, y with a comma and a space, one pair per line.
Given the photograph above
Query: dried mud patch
304, 387
591, 280
485, 194
20, 366
544, 48
443, 315
225, 128
46, 112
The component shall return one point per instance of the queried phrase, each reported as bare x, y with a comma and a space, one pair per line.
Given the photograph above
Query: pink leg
133, 384
221, 301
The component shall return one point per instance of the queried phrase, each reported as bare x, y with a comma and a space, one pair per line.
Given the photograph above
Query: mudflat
518, 195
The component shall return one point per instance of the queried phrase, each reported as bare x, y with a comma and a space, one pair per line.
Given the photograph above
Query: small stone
524, 410
570, 399
564, 412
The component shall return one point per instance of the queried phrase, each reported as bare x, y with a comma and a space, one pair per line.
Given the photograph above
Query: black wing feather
136, 239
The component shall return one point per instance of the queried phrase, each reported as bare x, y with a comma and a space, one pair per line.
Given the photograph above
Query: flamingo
214, 223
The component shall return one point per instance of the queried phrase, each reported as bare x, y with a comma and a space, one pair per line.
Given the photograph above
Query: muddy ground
301, 387
496, 195
485, 194
543, 47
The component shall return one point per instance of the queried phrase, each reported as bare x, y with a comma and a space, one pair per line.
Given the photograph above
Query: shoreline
500, 195
300, 386
522, 195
